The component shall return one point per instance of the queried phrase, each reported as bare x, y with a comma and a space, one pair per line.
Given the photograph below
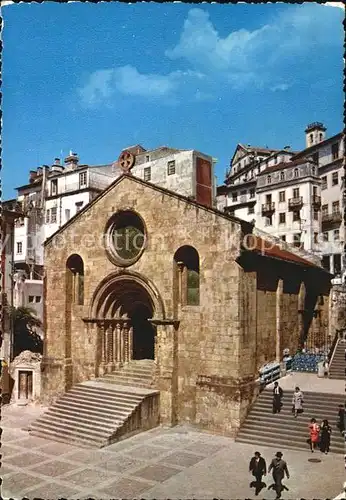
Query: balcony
333, 218
316, 201
268, 208
295, 203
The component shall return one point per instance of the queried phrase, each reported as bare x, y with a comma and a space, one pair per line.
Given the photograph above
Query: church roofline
246, 226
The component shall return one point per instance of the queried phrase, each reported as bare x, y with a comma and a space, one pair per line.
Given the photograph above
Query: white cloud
253, 57
339, 5
281, 87
102, 84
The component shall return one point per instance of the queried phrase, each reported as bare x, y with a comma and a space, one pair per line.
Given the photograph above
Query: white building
55, 194
260, 177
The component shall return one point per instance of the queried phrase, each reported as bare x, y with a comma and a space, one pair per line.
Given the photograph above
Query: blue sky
96, 78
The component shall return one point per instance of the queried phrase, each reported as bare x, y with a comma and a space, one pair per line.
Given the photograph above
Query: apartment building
312, 180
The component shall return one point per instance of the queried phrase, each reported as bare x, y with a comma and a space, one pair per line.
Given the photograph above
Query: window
325, 209
38, 299
335, 151
295, 172
268, 220
53, 187
282, 196
282, 176
252, 193
315, 214
282, 218
315, 237
311, 138
147, 174
335, 207
321, 136
324, 184
268, 198
234, 196
48, 216
147, 158
296, 215
79, 206
326, 262
171, 167
283, 237
296, 193
251, 210
53, 213
67, 214
336, 234
19, 247
125, 237
315, 157
313, 170
296, 240
337, 263
75, 279
31, 298
82, 180
269, 179
243, 193
314, 191
335, 178
275, 160
186, 260
325, 236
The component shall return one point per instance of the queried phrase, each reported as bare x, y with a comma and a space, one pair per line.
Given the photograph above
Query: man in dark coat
258, 468
279, 468
277, 397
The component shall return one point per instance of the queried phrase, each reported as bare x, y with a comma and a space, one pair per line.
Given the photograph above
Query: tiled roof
284, 165
268, 249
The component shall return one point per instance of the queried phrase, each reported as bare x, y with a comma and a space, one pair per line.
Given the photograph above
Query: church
144, 273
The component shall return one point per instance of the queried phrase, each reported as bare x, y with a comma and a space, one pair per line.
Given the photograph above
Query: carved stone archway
125, 310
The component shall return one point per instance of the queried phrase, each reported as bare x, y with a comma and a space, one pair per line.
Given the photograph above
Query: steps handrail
333, 347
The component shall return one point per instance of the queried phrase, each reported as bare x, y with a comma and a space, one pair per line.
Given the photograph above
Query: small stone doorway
143, 333
25, 384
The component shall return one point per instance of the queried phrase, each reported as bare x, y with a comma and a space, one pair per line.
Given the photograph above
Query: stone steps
337, 365
262, 427
96, 413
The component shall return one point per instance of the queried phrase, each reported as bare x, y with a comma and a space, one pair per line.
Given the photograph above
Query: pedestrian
279, 468
258, 468
314, 431
297, 402
341, 419
325, 434
277, 397
326, 367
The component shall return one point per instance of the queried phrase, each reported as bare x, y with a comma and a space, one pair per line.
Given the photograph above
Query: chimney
57, 161
287, 148
39, 171
32, 176
71, 160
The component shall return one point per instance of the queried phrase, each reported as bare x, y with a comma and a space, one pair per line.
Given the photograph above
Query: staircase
282, 430
337, 365
101, 411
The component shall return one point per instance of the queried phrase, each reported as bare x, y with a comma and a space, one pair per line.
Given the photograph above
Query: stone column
279, 313
126, 341
180, 283
301, 312
130, 343
110, 348
104, 347
118, 340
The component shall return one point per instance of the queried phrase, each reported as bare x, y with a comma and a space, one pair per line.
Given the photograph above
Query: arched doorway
122, 309
143, 343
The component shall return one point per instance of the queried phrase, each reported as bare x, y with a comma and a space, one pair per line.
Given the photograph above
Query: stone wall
337, 310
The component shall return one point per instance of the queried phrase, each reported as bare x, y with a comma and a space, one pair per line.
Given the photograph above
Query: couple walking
319, 435
297, 400
258, 468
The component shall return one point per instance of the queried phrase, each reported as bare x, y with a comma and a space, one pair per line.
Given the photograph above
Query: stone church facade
142, 272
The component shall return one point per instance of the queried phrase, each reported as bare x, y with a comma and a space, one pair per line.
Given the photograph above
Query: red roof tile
257, 244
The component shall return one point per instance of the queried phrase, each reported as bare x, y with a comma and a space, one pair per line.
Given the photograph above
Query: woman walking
297, 402
314, 434
326, 432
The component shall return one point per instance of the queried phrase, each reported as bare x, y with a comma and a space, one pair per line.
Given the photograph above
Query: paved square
182, 459
24, 459
54, 468
178, 462
124, 488
156, 472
